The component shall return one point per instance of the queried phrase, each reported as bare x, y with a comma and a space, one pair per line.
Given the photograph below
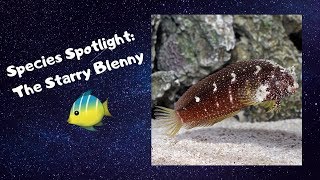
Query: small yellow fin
269, 105
248, 102
276, 109
168, 118
106, 110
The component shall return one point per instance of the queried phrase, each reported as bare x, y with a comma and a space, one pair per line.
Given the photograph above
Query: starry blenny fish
87, 111
224, 93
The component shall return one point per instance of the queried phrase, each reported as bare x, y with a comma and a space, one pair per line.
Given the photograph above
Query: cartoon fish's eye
76, 113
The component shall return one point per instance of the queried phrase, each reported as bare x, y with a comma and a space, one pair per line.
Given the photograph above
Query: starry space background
37, 142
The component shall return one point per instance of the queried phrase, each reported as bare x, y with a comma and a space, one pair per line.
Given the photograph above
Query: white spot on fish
217, 104
230, 95
205, 110
258, 69
215, 87
197, 99
231, 98
261, 93
233, 75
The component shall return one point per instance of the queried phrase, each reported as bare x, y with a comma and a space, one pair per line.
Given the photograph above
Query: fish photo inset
226, 90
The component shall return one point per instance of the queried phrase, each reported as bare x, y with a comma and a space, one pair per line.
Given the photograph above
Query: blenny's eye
76, 113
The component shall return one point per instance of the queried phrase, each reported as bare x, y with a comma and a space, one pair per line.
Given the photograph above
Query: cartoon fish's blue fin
106, 110
87, 93
89, 128
99, 124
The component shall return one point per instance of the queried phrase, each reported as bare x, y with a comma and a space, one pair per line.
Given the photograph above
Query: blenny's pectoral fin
106, 110
272, 105
89, 128
278, 105
248, 102
269, 105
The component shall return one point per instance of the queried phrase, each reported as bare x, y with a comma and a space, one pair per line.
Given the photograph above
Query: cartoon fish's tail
168, 119
106, 110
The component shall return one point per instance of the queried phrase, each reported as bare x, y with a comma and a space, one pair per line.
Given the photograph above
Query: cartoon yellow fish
87, 111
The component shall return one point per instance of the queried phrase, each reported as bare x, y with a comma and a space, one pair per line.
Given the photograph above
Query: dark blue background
37, 143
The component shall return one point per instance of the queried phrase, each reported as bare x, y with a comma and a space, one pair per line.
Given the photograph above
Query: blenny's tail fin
168, 119
106, 110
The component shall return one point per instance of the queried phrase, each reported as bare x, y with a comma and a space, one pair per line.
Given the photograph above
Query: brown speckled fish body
231, 89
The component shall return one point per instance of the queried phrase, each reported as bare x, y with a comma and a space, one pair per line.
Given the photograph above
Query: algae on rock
194, 46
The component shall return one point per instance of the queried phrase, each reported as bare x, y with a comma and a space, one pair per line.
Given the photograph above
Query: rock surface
165, 84
192, 46
231, 142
